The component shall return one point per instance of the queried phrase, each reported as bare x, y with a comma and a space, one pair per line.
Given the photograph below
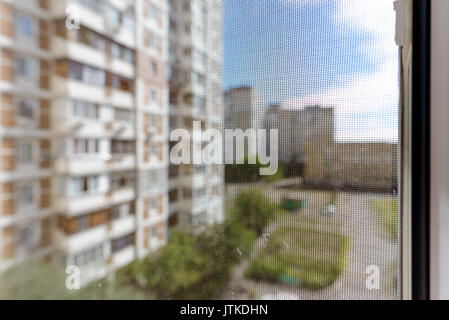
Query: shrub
179, 266
254, 210
193, 267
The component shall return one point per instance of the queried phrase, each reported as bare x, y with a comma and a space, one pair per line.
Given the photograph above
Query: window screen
252, 145
324, 77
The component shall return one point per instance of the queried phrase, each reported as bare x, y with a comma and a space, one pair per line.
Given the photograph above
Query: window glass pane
24, 25
203, 149
322, 77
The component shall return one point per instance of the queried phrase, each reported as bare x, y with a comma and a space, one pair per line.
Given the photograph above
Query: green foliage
193, 267
254, 210
249, 171
37, 280
387, 208
179, 266
34, 280
228, 242
187, 267
308, 257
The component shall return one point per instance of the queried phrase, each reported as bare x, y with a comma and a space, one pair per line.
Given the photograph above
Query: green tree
179, 266
254, 210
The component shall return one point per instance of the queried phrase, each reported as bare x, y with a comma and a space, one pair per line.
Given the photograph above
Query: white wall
439, 216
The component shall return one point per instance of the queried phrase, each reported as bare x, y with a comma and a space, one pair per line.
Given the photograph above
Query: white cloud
377, 93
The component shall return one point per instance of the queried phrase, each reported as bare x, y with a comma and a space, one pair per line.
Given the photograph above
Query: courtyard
320, 255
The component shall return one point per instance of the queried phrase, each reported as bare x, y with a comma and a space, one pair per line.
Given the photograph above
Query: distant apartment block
299, 127
195, 59
83, 132
367, 166
244, 109
307, 141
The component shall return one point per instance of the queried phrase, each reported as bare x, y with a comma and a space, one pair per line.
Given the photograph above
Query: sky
338, 53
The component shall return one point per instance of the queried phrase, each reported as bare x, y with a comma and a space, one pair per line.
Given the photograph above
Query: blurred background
92, 207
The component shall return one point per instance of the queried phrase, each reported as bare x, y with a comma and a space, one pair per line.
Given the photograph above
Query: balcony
122, 226
78, 90
121, 195
121, 130
80, 165
82, 240
80, 52
126, 161
80, 126
119, 98
95, 19
82, 203
124, 256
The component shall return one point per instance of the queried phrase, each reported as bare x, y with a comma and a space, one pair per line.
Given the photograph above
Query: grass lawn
301, 256
388, 211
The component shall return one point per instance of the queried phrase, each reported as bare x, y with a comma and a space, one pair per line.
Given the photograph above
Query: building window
82, 185
25, 196
94, 76
152, 11
153, 68
24, 25
115, 50
153, 94
84, 109
112, 16
188, 99
121, 83
151, 39
24, 152
26, 68
88, 256
127, 55
123, 115
153, 204
120, 181
25, 109
153, 122
187, 193
85, 146
28, 236
122, 243
127, 22
123, 210
83, 223
91, 38
86, 74
153, 149
153, 232
122, 146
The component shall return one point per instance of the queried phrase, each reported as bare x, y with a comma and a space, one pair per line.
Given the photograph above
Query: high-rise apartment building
26, 177
299, 128
83, 131
195, 99
244, 109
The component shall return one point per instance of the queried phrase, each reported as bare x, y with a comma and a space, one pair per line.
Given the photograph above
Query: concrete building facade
300, 127
195, 59
244, 109
84, 127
